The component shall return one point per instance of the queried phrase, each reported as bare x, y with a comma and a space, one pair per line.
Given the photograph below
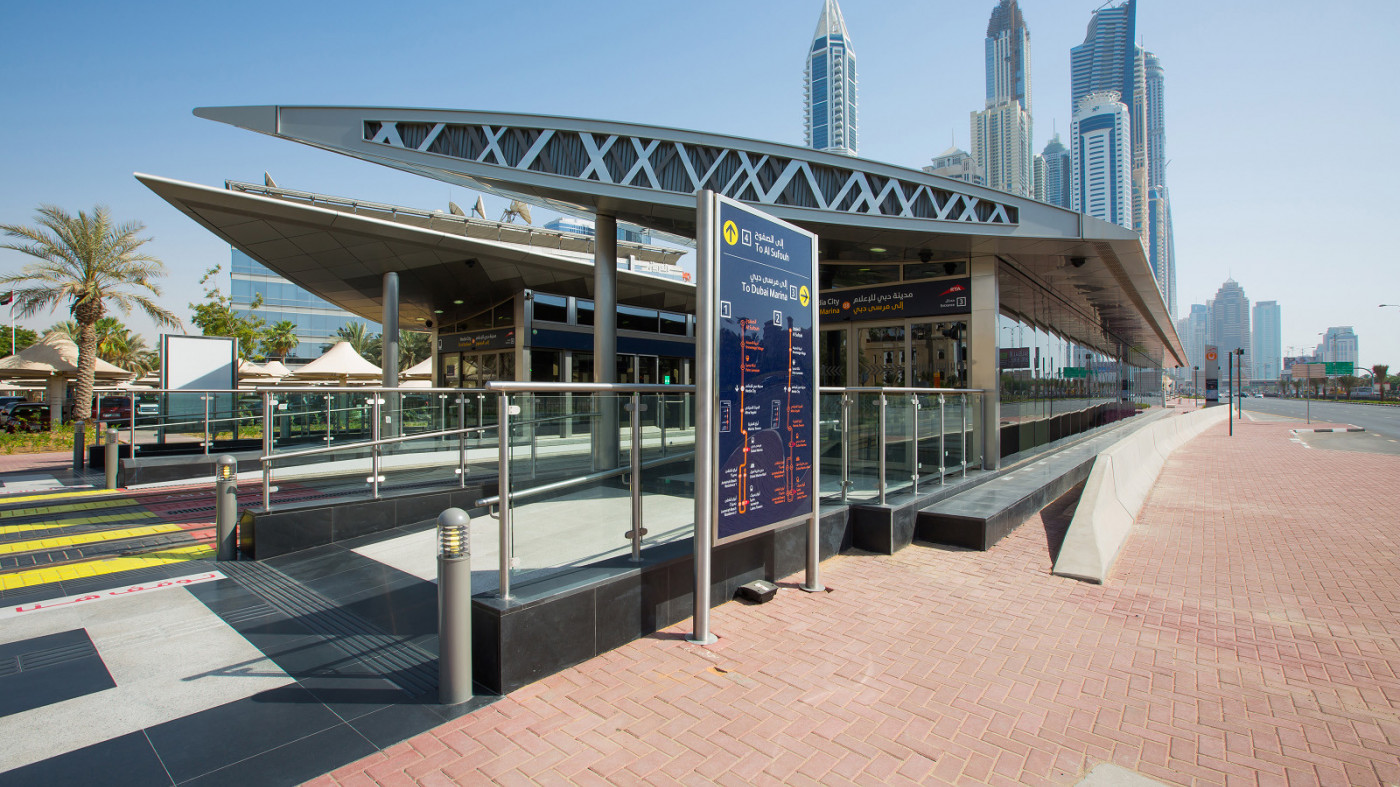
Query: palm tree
127, 350
414, 346
87, 263
362, 341
1378, 373
280, 339
68, 328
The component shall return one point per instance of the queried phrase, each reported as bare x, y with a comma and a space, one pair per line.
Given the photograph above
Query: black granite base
145, 468
980, 517
565, 620
265, 534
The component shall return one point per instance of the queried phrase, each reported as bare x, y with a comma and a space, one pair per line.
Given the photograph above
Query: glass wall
317, 320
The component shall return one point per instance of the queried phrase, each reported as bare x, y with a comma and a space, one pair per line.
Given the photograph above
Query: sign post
1212, 375
756, 459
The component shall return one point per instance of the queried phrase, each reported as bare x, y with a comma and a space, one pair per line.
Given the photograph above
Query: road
1382, 420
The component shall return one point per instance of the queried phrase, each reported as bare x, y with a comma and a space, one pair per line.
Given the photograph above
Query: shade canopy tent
340, 364
54, 360
276, 369
423, 370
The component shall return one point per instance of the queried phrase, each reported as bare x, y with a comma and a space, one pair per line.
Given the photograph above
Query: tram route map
765, 375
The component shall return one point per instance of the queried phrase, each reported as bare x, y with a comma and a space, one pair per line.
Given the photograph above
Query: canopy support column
605, 438
983, 371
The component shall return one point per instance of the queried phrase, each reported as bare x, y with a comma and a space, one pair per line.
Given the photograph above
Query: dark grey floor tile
206, 741
390, 725
126, 760
43, 670
293, 763
351, 696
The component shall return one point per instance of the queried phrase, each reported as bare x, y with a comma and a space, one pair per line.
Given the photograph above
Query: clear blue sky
1281, 115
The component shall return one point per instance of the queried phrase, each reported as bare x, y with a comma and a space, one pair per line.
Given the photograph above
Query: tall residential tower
830, 86
1001, 131
1100, 168
1268, 341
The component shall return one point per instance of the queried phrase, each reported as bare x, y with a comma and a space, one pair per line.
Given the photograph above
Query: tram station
963, 333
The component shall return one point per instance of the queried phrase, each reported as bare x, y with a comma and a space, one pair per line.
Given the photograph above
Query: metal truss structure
685, 167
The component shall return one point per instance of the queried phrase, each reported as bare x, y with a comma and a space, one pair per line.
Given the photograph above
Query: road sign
1340, 367
1309, 371
1070, 372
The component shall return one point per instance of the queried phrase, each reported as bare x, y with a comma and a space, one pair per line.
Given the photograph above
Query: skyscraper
1194, 337
1101, 185
830, 85
1057, 172
1229, 321
1268, 341
1109, 60
1340, 344
1001, 131
955, 163
1106, 59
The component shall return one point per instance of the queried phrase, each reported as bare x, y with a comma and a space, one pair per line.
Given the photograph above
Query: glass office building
317, 319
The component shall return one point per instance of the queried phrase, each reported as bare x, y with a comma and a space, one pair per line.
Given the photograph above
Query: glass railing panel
899, 442
832, 446
864, 445
954, 434
553, 442
333, 475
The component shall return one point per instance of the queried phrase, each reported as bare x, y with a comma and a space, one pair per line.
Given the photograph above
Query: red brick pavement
1249, 634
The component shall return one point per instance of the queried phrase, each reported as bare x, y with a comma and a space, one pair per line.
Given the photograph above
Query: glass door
882, 356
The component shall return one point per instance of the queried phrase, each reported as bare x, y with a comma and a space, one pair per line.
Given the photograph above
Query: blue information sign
765, 374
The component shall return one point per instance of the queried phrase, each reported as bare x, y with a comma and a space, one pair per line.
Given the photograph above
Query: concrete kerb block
1089, 548
1117, 488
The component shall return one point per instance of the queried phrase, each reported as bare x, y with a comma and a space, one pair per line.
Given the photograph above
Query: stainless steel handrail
507, 386
569, 483
902, 389
326, 449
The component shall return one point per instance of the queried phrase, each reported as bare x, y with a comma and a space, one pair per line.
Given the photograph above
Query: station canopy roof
1087, 279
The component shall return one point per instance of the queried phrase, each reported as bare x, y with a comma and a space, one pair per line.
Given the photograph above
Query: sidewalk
1248, 635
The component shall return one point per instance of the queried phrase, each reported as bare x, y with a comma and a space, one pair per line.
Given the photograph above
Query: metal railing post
267, 451
942, 449
133, 424
845, 445
883, 446
503, 476
462, 441
964, 435
375, 431
206, 423
634, 486
914, 476
661, 420
328, 419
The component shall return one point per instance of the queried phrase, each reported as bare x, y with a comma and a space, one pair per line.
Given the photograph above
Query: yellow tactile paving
130, 518
92, 568
60, 495
16, 513
59, 542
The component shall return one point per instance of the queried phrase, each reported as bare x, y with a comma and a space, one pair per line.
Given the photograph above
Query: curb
1331, 429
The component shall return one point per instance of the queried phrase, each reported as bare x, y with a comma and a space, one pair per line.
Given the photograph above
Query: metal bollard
226, 506
79, 446
454, 569
110, 458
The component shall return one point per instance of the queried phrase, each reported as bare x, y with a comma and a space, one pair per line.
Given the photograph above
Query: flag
8, 298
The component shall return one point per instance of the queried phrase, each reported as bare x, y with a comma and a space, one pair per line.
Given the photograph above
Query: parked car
8, 400
6, 408
111, 408
28, 417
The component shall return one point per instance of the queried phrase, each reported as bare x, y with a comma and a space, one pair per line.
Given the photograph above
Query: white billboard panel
198, 362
